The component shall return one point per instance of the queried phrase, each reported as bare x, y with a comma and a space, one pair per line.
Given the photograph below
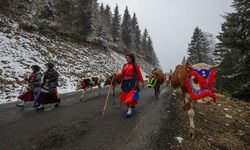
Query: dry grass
223, 125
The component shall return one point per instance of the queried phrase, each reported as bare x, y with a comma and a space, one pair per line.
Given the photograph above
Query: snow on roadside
19, 50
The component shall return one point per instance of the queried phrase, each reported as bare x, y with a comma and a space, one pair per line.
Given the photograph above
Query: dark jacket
52, 76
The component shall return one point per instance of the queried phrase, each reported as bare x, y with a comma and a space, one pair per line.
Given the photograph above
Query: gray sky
171, 23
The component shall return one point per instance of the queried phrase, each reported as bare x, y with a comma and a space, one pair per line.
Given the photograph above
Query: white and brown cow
113, 80
195, 84
89, 83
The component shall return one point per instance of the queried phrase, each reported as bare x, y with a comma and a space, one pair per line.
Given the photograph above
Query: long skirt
51, 97
129, 96
27, 96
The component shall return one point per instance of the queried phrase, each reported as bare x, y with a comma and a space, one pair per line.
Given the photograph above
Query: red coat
127, 72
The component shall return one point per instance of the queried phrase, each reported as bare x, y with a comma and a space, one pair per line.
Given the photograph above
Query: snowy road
78, 125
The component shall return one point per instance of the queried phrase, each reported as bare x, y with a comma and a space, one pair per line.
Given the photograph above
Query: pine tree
116, 24
108, 22
84, 14
144, 40
102, 10
151, 57
150, 45
183, 60
126, 29
95, 16
65, 15
210, 40
219, 52
234, 46
108, 15
48, 11
136, 34
198, 49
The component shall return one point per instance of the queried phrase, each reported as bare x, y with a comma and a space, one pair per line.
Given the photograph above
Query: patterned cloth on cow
205, 79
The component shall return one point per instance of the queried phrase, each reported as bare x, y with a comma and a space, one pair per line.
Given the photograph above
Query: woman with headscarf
131, 75
49, 92
34, 85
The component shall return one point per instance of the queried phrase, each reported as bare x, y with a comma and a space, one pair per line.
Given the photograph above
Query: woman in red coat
131, 75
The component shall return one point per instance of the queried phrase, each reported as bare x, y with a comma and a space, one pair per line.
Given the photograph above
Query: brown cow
157, 76
89, 82
116, 81
195, 84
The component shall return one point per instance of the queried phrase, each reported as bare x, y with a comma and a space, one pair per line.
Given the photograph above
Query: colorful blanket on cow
205, 79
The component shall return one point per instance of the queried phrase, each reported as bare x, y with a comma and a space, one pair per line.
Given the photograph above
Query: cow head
78, 85
200, 82
83, 84
108, 80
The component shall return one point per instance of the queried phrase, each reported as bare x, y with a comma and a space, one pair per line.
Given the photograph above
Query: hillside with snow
19, 50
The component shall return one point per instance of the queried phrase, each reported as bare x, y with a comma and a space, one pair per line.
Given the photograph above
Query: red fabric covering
27, 96
203, 84
127, 98
201, 80
83, 85
211, 80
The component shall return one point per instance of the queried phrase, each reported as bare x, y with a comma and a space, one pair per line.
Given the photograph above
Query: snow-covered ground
19, 50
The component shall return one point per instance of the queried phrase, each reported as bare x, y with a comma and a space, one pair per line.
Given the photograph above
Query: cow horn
216, 66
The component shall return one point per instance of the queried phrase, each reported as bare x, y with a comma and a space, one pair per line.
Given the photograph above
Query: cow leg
83, 94
113, 90
155, 91
99, 89
191, 118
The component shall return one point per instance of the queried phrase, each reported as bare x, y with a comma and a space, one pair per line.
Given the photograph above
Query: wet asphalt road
79, 125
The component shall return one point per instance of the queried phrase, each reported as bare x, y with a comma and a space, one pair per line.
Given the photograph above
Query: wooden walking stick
104, 108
